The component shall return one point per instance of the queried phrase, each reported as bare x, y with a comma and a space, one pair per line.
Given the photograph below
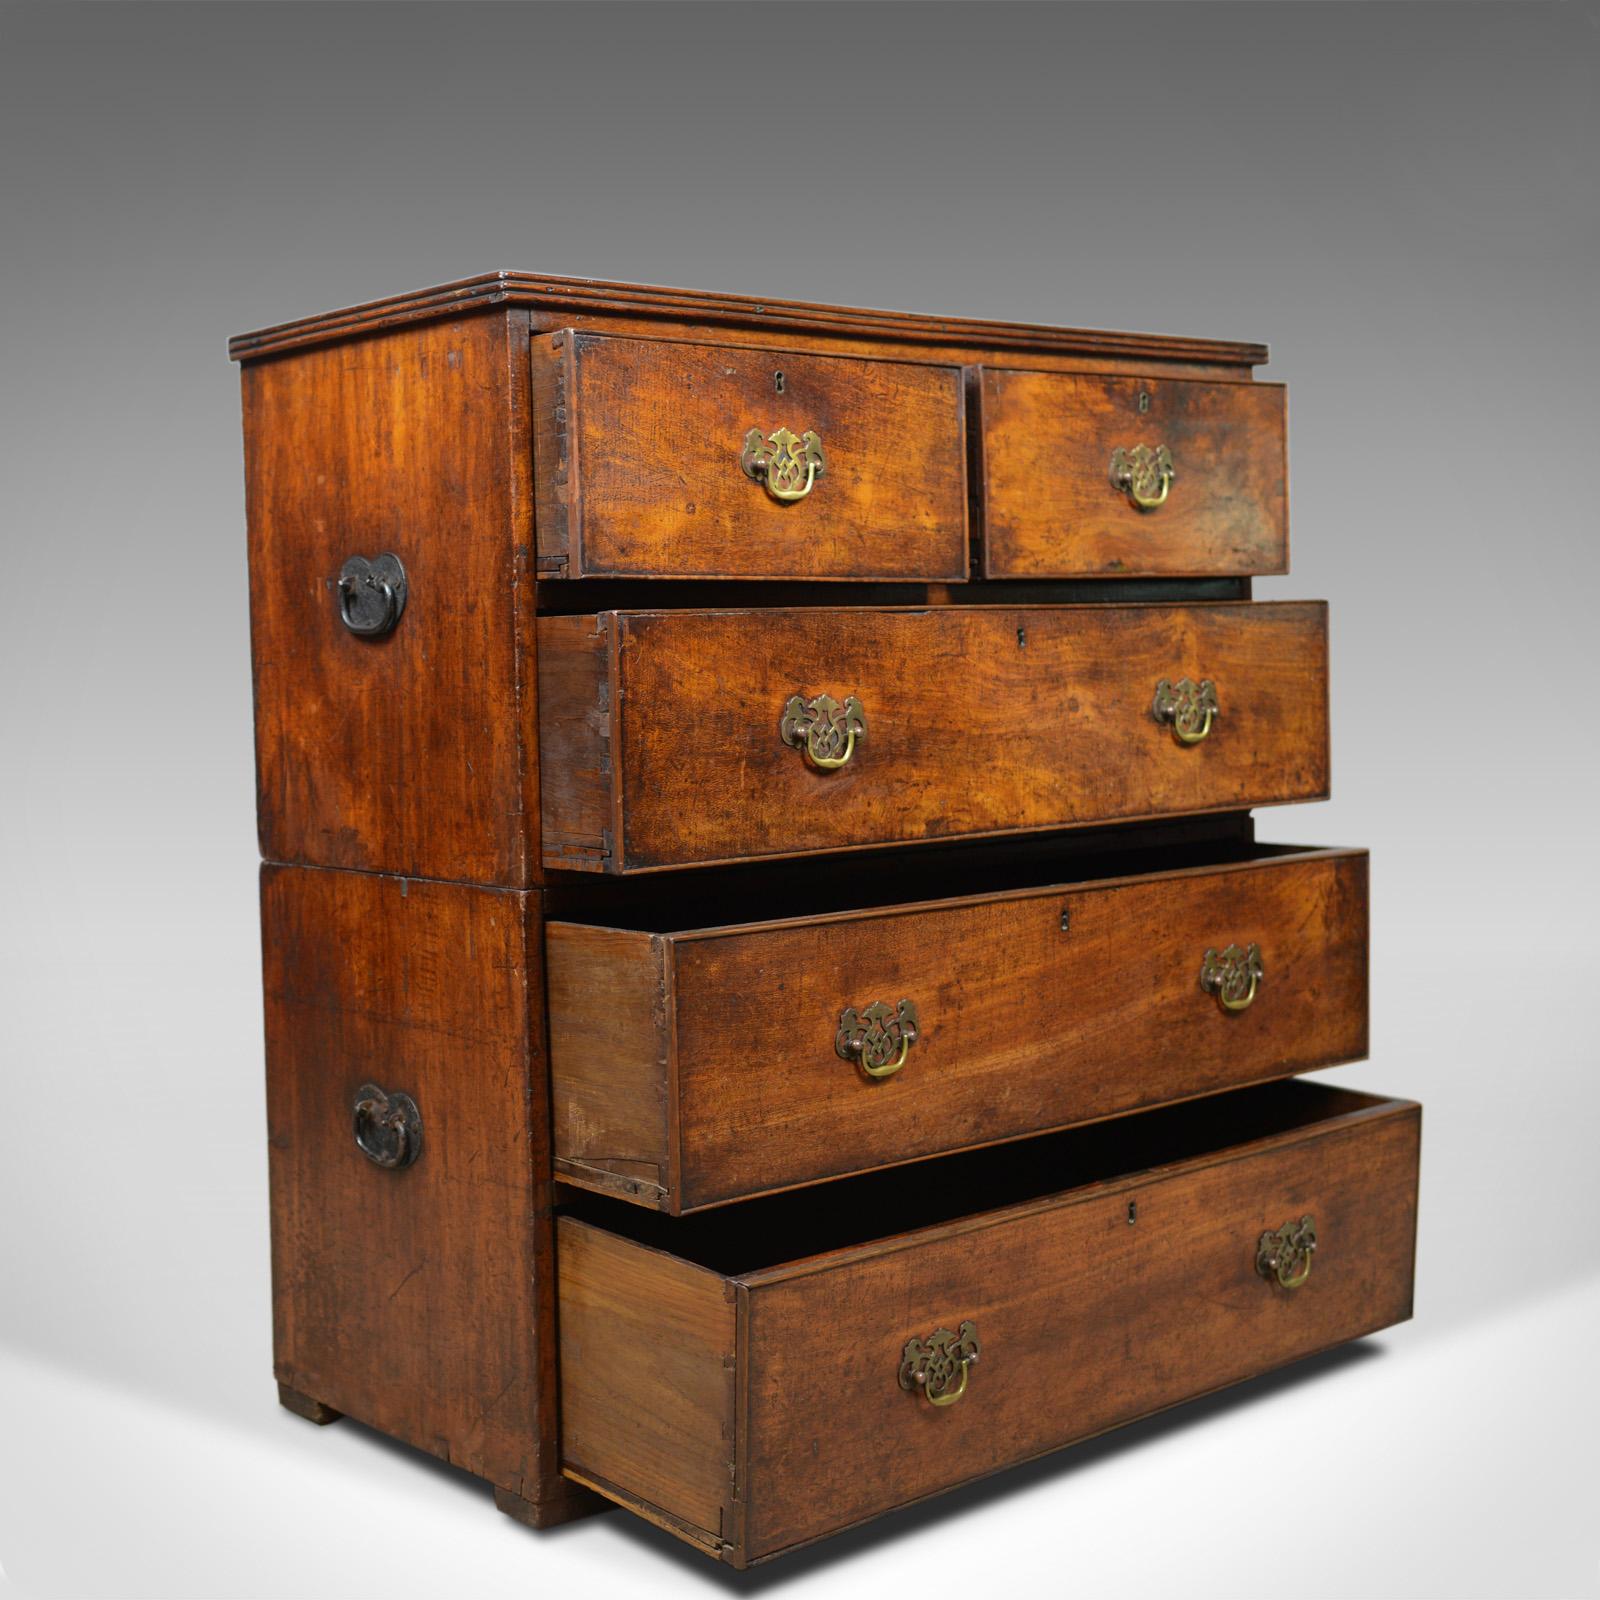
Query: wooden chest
775, 1005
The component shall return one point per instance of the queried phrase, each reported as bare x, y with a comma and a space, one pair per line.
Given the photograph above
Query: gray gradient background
1401, 200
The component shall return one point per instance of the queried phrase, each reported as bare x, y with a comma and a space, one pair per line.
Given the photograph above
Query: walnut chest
775, 1005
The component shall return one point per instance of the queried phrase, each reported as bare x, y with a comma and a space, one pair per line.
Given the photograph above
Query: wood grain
1050, 509
1086, 1323
980, 720
638, 448
418, 1301
647, 1376
1086, 1320
406, 753
1024, 1025
556, 299
610, 1067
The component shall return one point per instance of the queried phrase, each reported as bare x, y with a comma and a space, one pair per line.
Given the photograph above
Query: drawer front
664, 459
1084, 1322
692, 1069
676, 738
1091, 476
753, 1412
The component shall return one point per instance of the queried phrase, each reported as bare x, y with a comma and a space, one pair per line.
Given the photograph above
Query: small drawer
1087, 476
765, 1375
693, 1068
659, 458
679, 738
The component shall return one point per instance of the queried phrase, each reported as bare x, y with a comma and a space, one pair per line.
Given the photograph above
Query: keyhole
1022, 638
777, 382
1133, 1212
1066, 918
1144, 401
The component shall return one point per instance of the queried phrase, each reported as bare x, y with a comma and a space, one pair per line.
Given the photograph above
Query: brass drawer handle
1232, 975
1188, 707
1143, 474
388, 1127
935, 1363
787, 466
877, 1039
1285, 1254
825, 730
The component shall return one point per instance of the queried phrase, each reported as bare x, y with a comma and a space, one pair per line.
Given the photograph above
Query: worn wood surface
979, 720
410, 753
611, 1051
1051, 510
1023, 1025
558, 299
638, 450
647, 1378
1086, 1321
420, 1300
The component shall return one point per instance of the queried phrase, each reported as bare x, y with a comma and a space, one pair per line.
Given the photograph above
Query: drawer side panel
608, 1000
647, 1370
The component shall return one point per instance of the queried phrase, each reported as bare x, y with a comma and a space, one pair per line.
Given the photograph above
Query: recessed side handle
388, 1127
372, 594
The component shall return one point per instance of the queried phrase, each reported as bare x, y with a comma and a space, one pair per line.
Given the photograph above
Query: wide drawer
693, 1068
665, 459
672, 738
765, 1375
1093, 476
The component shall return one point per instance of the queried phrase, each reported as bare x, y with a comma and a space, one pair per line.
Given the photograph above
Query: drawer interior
773, 1230
733, 1375
772, 891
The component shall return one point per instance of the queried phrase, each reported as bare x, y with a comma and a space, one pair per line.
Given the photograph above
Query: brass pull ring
877, 1039
1187, 707
1143, 474
1285, 1253
387, 1127
1232, 975
940, 1364
824, 730
786, 466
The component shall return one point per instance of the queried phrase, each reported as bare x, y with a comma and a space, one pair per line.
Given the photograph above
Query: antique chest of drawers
774, 1002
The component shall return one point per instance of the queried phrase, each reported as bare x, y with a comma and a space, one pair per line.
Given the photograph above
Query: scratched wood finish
1051, 510
1087, 1320
405, 753
638, 447
979, 720
692, 1069
417, 1300
560, 300
647, 1353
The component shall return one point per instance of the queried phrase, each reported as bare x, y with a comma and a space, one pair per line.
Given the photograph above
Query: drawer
749, 1379
1092, 476
664, 459
693, 1068
674, 738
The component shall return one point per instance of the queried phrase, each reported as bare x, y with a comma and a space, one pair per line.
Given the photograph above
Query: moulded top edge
592, 294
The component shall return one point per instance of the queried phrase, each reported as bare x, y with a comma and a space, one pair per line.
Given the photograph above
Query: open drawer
684, 738
761, 1376
690, 1068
